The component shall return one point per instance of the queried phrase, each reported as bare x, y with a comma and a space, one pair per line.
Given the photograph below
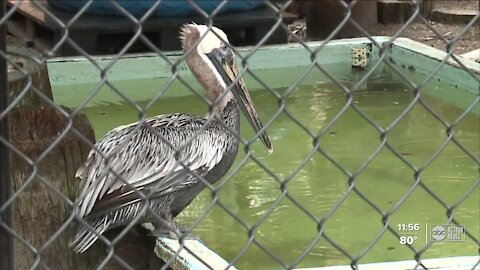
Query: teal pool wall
269, 63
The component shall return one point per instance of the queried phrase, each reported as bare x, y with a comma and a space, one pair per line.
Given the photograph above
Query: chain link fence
72, 128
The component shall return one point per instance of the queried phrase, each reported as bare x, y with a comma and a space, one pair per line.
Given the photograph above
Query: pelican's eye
223, 55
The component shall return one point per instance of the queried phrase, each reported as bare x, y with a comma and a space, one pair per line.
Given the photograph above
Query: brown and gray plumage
168, 166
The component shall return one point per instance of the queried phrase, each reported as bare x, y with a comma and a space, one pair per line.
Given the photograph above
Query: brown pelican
134, 159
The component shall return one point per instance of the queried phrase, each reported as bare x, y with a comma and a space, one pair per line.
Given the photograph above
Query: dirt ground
457, 4
468, 39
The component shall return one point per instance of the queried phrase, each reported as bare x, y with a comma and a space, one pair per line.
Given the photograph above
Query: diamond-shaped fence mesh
376, 163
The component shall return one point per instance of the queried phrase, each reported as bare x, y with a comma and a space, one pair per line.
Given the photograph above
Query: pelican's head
210, 58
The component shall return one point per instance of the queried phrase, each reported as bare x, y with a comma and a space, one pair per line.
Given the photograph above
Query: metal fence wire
34, 177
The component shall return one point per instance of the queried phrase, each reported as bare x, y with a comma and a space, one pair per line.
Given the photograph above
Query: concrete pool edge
181, 256
181, 259
414, 55
449, 263
437, 54
404, 55
79, 70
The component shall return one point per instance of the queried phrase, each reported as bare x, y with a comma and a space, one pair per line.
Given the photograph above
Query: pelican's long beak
223, 60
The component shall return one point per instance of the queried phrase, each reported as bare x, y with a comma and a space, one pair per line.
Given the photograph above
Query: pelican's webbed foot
171, 230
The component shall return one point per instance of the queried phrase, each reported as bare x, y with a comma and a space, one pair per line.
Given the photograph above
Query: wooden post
17, 80
396, 12
6, 239
323, 17
426, 8
40, 211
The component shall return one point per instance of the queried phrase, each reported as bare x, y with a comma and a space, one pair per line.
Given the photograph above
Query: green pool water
255, 197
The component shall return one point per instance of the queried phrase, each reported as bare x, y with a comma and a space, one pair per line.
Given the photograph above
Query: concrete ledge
472, 55
457, 16
452, 263
425, 50
184, 259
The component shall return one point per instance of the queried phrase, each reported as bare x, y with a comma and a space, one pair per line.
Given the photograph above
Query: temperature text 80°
404, 240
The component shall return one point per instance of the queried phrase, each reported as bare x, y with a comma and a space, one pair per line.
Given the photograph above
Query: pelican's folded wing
163, 155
